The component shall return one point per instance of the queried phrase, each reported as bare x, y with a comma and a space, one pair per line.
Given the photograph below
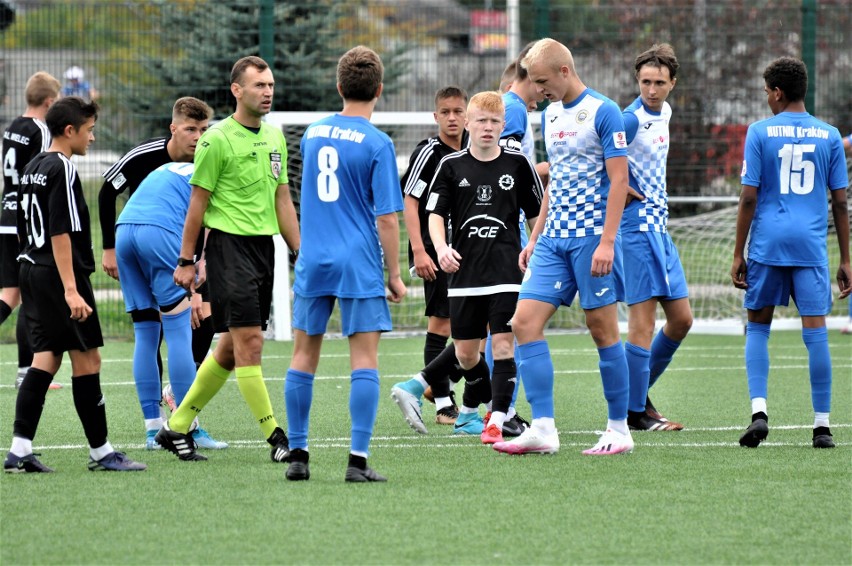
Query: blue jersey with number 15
792, 158
349, 178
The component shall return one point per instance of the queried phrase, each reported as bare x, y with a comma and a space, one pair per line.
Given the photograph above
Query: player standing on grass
190, 119
61, 316
652, 269
482, 190
790, 160
576, 247
450, 109
26, 137
240, 192
349, 206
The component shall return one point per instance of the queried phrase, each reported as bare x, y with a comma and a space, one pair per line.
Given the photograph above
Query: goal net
705, 243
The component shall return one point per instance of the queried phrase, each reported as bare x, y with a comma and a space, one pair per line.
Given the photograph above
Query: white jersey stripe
479, 291
70, 177
417, 168
149, 147
45, 134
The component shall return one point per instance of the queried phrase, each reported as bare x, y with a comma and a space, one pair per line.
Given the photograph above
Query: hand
195, 315
738, 273
449, 259
524, 257
632, 194
602, 260
396, 289
185, 276
201, 273
80, 310
109, 264
424, 266
844, 281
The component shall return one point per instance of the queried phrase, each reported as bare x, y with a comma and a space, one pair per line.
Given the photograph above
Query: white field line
465, 441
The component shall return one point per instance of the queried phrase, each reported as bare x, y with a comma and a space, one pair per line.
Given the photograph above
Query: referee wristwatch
183, 262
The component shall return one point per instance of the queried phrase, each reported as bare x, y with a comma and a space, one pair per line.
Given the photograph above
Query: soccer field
689, 497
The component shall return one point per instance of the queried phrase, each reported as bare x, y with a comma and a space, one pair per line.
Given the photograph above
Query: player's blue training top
791, 158
647, 152
580, 136
162, 199
349, 178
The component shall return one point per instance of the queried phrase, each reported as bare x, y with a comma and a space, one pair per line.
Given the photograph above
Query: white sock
511, 414
758, 405
357, 453
441, 402
488, 406
497, 418
467, 410
21, 446
101, 452
821, 419
545, 425
153, 424
619, 426
419, 379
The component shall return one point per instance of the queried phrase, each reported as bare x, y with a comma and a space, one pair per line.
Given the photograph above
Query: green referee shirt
242, 171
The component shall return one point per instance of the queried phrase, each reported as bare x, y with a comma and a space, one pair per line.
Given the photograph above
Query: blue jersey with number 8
349, 177
791, 159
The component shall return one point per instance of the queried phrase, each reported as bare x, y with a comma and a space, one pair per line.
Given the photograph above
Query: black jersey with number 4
23, 139
50, 203
483, 200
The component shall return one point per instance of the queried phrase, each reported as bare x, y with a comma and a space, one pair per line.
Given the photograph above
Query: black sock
202, 337
759, 415
91, 408
441, 366
5, 311
30, 402
503, 381
435, 344
358, 462
25, 354
160, 356
477, 387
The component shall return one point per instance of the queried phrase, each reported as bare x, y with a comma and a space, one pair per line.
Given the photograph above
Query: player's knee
677, 329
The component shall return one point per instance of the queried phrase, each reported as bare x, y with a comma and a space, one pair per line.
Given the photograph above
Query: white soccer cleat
611, 442
169, 397
531, 441
409, 404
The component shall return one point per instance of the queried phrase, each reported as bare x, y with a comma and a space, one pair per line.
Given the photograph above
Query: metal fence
141, 56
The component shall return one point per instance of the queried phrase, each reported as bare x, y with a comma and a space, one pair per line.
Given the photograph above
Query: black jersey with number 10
483, 200
51, 203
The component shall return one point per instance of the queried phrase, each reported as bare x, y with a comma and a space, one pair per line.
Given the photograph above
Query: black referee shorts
9, 266
239, 279
47, 316
471, 317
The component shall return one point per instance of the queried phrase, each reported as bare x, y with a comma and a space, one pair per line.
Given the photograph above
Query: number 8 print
328, 187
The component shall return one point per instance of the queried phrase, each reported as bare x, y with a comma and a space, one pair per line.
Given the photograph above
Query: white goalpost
705, 243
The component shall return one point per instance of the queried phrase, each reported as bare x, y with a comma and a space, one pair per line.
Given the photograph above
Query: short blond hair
489, 101
40, 87
550, 52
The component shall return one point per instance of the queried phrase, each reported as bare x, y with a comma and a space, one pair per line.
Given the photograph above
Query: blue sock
663, 350
145, 372
363, 405
616, 383
537, 367
489, 354
298, 396
819, 365
177, 330
757, 358
637, 364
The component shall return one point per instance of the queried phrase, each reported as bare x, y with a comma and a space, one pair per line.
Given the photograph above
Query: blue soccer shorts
652, 267
562, 267
147, 256
311, 314
770, 285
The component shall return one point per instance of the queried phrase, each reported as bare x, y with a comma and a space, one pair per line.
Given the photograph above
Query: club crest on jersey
745, 169
506, 182
619, 140
483, 193
275, 163
582, 116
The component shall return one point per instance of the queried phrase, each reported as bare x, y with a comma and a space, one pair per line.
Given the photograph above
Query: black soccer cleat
359, 475
515, 426
28, 464
298, 469
179, 444
823, 438
644, 421
280, 445
756, 432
